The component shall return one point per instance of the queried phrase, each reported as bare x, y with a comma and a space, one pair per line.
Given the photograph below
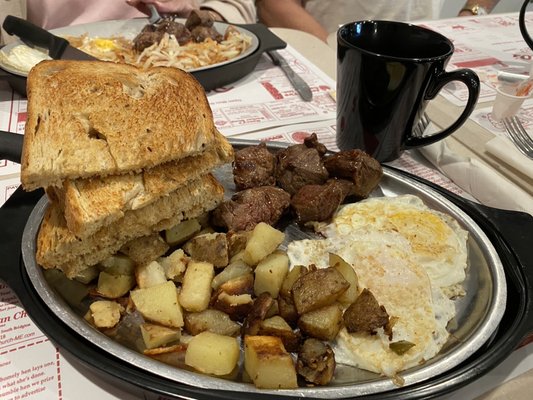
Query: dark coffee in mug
386, 74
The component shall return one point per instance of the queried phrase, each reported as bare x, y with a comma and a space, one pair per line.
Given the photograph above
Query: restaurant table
509, 380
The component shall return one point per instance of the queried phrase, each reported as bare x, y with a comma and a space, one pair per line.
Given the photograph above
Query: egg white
409, 257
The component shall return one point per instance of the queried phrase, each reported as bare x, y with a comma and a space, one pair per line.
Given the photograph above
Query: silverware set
518, 135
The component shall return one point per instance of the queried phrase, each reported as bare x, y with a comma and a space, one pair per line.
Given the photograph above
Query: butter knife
299, 84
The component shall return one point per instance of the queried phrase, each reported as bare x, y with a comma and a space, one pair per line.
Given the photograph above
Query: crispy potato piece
287, 309
237, 306
157, 335
242, 284
172, 355
316, 362
232, 271
159, 304
295, 272
118, 264
87, 275
237, 241
317, 289
196, 288
174, 265
263, 241
365, 314
209, 247
211, 320
234, 297
114, 286
270, 273
277, 326
257, 314
71, 290
237, 257
182, 232
323, 323
347, 271
150, 274
211, 353
145, 249
105, 313
268, 364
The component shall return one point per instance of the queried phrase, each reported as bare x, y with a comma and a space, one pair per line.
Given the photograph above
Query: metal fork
155, 17
519, 135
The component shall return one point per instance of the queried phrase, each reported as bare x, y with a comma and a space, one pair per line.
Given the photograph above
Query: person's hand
179, 7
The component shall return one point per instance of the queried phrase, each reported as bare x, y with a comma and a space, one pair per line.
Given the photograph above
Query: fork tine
513, 126
522, 133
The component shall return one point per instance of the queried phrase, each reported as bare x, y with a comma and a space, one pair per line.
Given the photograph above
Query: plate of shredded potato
204, 47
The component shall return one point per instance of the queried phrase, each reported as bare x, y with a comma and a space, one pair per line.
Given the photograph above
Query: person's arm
236, 11
476, 7
289, 14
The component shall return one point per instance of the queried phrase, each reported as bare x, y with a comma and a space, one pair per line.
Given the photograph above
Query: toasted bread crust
91, 203
89, 118
58, 246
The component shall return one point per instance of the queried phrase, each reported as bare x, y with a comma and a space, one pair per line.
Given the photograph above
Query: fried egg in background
23, 58
409, 257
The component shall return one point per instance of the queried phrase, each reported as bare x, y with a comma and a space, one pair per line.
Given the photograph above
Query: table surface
467, 141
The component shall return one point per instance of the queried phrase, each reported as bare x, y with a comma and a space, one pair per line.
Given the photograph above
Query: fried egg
408, 256
23, 58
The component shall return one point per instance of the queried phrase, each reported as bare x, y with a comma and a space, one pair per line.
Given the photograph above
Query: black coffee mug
386, 74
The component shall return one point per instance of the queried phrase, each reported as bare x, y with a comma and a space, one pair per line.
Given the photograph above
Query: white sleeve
236, 11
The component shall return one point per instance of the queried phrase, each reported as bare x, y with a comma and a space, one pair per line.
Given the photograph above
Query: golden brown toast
88, 118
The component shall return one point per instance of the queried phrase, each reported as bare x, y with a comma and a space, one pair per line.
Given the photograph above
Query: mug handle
471, 80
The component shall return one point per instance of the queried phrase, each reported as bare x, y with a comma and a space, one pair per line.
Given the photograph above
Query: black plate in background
209, 78
507, 230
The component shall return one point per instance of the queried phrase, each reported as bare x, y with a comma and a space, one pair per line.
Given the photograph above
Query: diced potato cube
277, 326
157, 335
292, 276
174, 265
105, 313
182, 232
144, 249
268, 364
150, 274
237, 241
159, 304
114, 286
263, 241
323, 324
209, 247
237, 306
213, 321
87, 275
196, 288
233, 270
71, 290
347, 271
118, 264
270, 273
317, 289
212, 353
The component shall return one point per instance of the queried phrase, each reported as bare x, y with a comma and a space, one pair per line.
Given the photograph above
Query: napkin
484, 183
505, 151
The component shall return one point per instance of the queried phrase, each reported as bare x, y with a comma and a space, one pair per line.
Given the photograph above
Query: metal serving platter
478, 313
